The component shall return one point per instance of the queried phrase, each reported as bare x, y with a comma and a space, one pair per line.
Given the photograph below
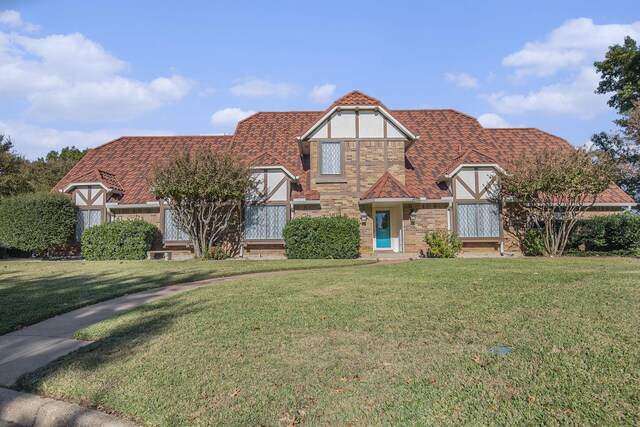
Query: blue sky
82, 73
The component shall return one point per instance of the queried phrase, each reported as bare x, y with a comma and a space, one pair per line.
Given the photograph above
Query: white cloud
13, 19
71, 77
461, 80
323, 93
574, 43
492, 120
35, 141
576, 97
257, 87
229, 117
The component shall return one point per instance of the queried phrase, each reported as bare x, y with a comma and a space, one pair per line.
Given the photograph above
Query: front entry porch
383, 230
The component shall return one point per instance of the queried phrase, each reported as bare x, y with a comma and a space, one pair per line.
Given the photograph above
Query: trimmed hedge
331, 237
119, 240
612, 233
36, 221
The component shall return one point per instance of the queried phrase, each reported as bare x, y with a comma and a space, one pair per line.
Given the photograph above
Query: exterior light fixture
413, 215
363, 217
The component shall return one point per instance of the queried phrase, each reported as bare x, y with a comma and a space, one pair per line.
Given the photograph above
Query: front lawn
34, 291
396, 344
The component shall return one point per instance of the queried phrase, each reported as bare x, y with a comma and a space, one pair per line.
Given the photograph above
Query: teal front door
383, 230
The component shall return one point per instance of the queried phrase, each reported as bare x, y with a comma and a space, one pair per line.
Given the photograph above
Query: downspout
449, 216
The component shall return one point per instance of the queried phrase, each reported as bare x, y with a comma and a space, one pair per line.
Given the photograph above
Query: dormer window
330, 158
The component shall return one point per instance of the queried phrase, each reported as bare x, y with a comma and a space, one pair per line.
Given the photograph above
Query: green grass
34, 291
398, 344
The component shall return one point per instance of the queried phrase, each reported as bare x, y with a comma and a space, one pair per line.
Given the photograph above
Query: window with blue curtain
172, 232
86, 218
478, 220
264, 222
330, 158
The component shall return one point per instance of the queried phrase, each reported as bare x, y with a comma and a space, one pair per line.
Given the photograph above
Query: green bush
36, 221
533, 243
579, 253
118, 240
217, 253
443, 244
607, 233
335, 237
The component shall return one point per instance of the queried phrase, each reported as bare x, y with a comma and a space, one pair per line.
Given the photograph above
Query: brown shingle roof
445, 137
131, 160
356, 98
387, 187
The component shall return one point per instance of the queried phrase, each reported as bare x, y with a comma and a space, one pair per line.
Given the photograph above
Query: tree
67, 154
36, 221
206, 190
620, 75
43, 174
12, 179
551, 191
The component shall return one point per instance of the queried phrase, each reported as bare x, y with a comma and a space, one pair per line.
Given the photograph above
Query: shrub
119, 240
533, 244
607, 234
443, 244
217, 253
579, 253
323, 237
36, 221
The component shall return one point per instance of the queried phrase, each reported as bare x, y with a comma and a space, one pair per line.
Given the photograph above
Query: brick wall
429, 218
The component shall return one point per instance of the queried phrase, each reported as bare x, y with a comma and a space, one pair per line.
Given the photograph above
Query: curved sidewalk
35, 346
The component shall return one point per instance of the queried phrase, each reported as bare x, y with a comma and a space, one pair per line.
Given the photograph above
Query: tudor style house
400, 173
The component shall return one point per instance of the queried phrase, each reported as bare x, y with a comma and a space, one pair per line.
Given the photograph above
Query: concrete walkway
37, 345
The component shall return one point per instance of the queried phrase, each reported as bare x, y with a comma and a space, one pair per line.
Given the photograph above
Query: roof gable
387, 187
469, 157
358, 101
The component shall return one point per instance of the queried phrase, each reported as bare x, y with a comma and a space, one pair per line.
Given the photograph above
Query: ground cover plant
34, 291
399, 344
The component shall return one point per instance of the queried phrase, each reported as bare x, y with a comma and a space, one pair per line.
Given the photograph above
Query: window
173, 233
330, 158
86, 218
478, 220
264, 222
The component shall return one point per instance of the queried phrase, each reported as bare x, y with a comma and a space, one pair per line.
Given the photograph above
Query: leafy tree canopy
67, 154
551, 191
12, 179
620, 74
206, 189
